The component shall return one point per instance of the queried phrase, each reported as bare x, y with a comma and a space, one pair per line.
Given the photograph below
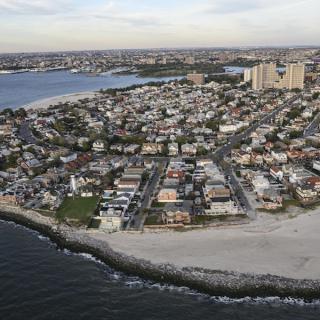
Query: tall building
265, 76
151, 60
196, 78
293, 77
189, 60
247, 74
257, 77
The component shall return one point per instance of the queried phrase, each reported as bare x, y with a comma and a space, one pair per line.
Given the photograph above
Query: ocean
38, 281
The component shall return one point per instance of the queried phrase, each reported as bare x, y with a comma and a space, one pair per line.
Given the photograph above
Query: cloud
118, 14
241, 6
33, 7
130, 19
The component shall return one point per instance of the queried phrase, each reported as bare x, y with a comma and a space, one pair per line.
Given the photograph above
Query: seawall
213, 282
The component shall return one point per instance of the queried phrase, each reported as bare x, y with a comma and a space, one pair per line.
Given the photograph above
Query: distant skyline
62, 25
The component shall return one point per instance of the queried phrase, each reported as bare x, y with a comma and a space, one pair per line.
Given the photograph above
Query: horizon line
242, 47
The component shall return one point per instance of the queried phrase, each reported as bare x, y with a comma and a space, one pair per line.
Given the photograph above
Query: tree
165, 150
295, 134
201, 151
316, 95
272, 136
20, 113
12, 160
294, 113
59, 126
7, 112
213, 125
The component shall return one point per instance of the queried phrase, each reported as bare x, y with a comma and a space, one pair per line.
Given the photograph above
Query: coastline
72, 97
213, 282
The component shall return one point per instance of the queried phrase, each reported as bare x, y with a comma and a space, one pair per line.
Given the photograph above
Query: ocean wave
31, 231
136, 282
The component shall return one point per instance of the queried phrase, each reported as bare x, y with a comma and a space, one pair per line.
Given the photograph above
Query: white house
98, 146
173, 149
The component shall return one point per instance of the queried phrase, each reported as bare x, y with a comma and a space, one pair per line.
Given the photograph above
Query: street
26, 134
225, 151
138, 220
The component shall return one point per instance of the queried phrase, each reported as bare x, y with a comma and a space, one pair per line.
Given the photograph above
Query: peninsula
209, 182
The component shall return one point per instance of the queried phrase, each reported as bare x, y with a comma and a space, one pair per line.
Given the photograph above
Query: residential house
188, 150
167, 195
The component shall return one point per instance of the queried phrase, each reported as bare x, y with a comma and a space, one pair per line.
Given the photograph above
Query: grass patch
152, 220
156, 204
80, 209
203, 219
272, 211
291, 202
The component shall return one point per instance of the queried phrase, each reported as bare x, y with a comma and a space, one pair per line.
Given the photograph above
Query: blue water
17, 90
233, 70
239, 70
39, 282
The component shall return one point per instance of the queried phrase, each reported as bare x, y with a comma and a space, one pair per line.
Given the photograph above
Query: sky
54, 25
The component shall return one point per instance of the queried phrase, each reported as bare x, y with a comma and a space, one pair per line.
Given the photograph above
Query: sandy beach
45, 103
288, 248
265, 258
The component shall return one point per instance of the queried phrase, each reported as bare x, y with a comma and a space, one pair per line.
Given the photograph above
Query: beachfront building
218, 200
110, 220
167, 195
176, 217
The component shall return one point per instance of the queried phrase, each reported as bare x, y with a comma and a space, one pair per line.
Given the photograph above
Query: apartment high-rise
257, 77
265, 76
189, 60
247, 75
293, 77
196, 78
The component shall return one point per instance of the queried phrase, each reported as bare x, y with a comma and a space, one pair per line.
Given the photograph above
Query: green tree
7, 112
20, 113
295, 134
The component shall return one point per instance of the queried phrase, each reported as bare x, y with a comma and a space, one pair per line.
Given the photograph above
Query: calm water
39, 282
19, 89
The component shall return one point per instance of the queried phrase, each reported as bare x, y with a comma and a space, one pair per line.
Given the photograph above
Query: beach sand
45, 103
289, 248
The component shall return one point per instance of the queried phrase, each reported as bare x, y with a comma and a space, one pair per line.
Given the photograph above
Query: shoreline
46, 102
212, 282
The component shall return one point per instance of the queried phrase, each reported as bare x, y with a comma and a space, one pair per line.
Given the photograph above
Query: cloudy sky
46, 25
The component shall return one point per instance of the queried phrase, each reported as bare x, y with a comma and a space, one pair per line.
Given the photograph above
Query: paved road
26, 134
313, 127
239, 192
222, 152
138, 220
